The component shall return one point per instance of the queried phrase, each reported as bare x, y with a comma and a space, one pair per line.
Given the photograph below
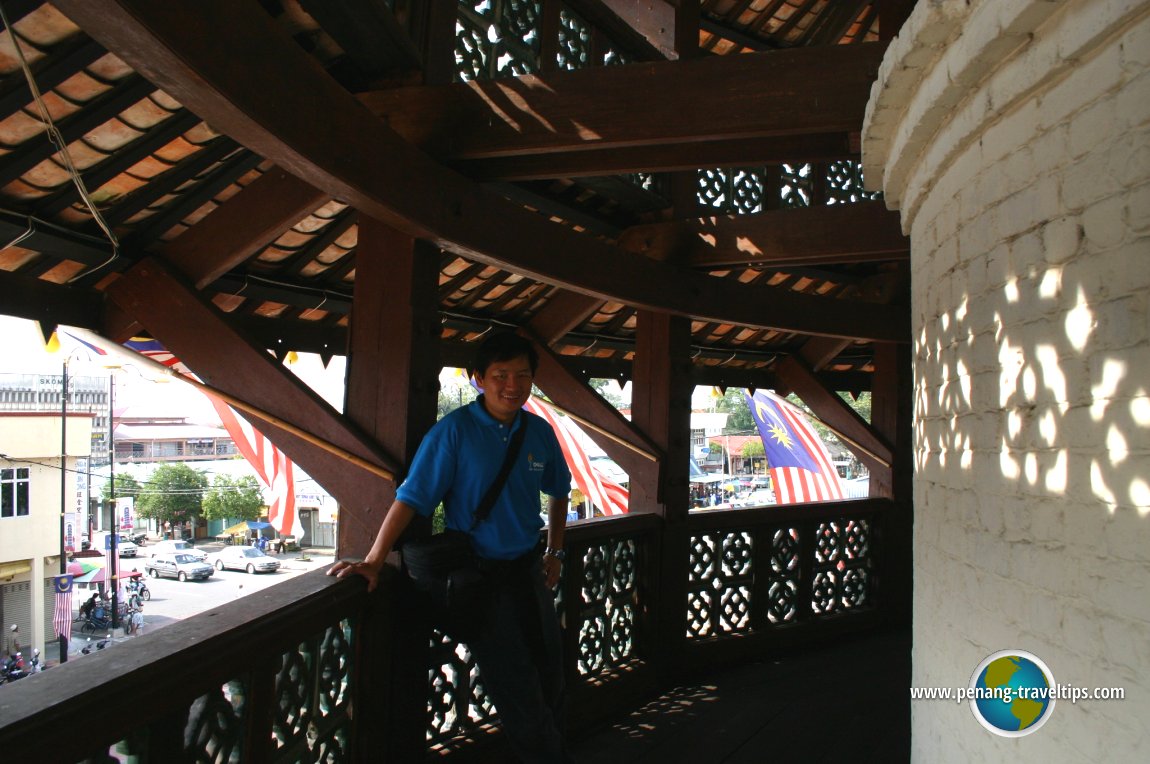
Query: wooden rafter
841, 233
212, 58
797, 92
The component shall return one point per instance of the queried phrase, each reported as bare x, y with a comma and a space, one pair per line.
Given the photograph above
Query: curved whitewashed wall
1014, 137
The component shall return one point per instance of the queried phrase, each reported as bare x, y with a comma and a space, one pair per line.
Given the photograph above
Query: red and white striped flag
272, 465
610, 497
62, 616
800, 467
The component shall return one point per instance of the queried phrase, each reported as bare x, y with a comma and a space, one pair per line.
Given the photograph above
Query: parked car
180, 566
124, 547
170, 547
244, 558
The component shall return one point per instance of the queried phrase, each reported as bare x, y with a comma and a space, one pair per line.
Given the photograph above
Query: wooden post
891, 417
392, 386
661, 407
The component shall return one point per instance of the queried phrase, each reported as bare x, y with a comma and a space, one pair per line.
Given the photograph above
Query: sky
22, 350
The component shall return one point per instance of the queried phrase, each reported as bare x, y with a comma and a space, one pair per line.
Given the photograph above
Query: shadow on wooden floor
838, 703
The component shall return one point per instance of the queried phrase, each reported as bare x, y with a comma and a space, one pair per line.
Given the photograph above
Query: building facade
38, 483
1014, 138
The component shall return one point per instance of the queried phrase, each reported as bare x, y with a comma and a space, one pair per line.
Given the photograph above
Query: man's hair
504, 346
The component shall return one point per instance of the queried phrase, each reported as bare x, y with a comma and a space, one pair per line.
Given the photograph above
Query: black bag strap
496, 488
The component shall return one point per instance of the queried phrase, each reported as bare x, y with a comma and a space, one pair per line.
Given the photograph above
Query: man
518, 649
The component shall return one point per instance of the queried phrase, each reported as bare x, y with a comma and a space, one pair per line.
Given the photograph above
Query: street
173, 600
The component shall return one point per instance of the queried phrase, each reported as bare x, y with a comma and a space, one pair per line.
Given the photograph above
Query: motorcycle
99, 620
139, 590
13, 668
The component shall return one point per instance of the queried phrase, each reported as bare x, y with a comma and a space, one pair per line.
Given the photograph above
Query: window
14, 491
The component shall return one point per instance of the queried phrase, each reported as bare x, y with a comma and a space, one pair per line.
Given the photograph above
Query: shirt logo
533, 465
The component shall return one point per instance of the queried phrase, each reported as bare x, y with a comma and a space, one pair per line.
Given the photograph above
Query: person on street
518, 649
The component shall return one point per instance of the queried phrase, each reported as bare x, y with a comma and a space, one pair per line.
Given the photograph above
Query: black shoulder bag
445, 567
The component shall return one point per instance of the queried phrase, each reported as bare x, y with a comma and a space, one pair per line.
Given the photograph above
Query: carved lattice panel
215, 727
458, 700
496, 38
845, 183
841, 566
719, 584
334, 669
607, 622
574, 41
294, 700
797, 185
331, 748
737, 191
783, 588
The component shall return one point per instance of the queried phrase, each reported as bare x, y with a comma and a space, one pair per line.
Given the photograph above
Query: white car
124, 547
244, 558
179, 566
169, 547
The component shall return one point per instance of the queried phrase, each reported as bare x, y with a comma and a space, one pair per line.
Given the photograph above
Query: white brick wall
1014, 137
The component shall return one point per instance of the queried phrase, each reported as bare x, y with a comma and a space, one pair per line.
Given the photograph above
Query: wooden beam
572, 394
369, 33
38, 300
640, 28
828, 406
563, 312
236, 230
198, 335
234, 67
796, 92
840, 233
817, 147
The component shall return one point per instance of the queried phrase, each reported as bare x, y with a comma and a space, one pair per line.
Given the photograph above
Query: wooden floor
842, 703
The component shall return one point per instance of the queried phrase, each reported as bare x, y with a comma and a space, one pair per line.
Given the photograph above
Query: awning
243, 527
97, 576
10, 569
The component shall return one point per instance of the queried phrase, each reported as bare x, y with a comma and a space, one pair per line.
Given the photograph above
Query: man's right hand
344, 568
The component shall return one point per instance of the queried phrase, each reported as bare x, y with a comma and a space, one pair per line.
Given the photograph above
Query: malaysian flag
151, 348
62, 616
800, 466
610, 497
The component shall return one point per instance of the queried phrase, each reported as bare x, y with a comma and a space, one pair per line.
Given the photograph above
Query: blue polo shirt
460, 458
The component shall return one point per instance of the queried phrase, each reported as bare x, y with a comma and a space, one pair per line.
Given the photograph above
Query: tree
174, 494
233, 498
126, 485
734, 402
606, 389
455, 396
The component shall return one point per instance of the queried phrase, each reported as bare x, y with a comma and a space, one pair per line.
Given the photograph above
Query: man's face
506, 386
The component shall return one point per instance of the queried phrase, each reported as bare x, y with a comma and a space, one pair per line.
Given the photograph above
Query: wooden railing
756, 578
275, 677
269, 678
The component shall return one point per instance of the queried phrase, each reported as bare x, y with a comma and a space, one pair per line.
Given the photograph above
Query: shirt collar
479, 411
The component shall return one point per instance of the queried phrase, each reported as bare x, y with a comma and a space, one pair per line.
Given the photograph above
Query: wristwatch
558, 554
